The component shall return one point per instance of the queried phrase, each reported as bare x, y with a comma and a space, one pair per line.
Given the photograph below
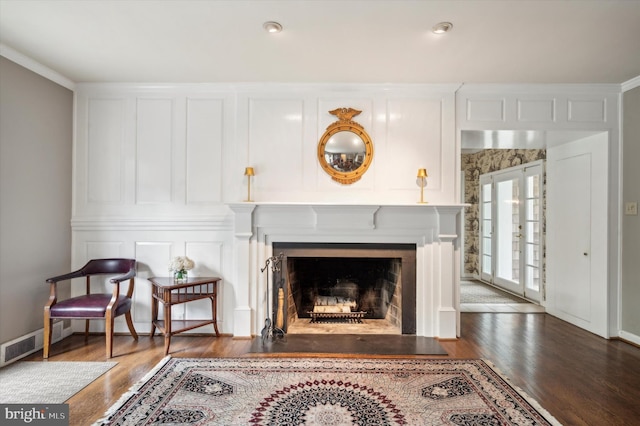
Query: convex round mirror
345, 150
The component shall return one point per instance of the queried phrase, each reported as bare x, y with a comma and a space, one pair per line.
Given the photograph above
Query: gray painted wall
631, 224
36, 121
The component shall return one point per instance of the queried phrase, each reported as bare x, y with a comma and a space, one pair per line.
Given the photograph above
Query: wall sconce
422, 182
248, 172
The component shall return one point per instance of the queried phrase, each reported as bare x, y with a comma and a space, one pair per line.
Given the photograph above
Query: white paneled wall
276, 145
154, 137
151, 153
181, 150
104, 170
152, 248
156, 166
203, 154
530, 107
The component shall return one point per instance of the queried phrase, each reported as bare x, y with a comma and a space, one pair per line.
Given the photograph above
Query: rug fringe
532, 401
133, 390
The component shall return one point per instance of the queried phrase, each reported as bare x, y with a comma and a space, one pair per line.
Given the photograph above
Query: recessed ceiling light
272, 27
442, 27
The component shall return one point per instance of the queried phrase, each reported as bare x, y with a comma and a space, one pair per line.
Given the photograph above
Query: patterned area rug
47, 382
476, 292
327, 391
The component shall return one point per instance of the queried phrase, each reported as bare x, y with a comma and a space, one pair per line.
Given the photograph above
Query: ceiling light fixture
442, 27
272, 27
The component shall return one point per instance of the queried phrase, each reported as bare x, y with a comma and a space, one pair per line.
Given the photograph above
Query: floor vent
30, 343
23, 346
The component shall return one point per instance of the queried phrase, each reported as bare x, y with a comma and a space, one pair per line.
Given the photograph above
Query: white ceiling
328, 41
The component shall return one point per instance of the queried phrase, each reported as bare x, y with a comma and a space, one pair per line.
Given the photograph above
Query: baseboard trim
629, 338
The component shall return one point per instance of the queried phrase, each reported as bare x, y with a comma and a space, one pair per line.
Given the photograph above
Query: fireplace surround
434, 231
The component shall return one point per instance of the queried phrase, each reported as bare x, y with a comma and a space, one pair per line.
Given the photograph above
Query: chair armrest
124, 277
70, 275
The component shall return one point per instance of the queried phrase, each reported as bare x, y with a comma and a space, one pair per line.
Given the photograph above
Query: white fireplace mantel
434, 229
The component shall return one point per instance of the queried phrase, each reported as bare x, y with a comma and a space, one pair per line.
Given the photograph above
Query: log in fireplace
346, 283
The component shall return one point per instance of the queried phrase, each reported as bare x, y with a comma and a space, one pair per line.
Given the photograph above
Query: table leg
154, 314
214, 313
167, 327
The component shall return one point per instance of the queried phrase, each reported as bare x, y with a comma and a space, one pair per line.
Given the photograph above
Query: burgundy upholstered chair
93, 306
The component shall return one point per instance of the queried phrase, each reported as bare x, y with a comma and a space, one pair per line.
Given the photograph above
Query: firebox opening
346, 288
364, 288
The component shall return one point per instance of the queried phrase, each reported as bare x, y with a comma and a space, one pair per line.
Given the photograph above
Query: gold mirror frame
345, 124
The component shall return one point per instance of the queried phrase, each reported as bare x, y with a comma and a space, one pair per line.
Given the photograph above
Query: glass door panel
533, 234
511, 229
508, 227
486, 230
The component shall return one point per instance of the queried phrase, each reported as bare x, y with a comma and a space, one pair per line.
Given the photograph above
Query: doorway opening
575, 221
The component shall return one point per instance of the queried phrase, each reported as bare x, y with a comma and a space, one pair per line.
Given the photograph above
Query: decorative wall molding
531, 107
345, 217
186, 223
182, 148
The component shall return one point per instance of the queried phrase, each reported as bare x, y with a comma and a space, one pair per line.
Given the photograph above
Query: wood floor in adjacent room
581, 379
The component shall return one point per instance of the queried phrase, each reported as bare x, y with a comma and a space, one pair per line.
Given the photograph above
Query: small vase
180, 276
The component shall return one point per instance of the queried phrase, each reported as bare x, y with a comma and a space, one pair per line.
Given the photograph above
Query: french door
511, 229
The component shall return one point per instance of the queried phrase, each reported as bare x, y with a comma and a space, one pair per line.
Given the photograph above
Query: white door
577, 179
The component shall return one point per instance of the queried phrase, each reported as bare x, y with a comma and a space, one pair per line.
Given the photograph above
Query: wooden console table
169, 292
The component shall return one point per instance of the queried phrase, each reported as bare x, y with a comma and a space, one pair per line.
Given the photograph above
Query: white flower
181, 263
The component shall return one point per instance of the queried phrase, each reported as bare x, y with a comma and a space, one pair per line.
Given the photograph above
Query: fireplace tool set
270, 331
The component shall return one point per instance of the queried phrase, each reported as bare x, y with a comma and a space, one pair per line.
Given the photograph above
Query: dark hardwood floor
581, 379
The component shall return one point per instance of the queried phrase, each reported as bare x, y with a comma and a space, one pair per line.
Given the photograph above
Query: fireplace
356, 288
429, 306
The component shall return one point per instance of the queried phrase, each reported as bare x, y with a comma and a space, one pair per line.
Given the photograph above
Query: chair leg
47, 335
86, 331
109, 335
132, 330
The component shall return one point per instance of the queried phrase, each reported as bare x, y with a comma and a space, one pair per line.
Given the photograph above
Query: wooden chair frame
126, 270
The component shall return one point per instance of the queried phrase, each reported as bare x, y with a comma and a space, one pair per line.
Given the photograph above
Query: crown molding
630, 84
35, 66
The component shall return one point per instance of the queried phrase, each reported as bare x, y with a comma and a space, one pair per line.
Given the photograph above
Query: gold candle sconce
249, 173
422, 182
